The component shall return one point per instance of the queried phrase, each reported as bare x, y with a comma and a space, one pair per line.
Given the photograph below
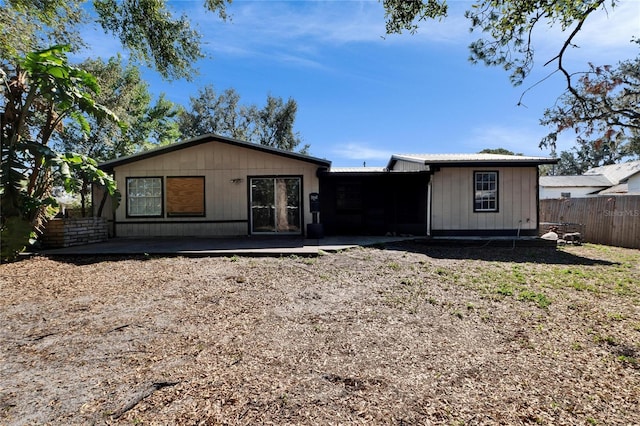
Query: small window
144, 197
486, 192
565, 194
185, 196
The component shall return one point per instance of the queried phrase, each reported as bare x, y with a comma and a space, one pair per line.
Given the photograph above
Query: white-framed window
144, 196
485, 191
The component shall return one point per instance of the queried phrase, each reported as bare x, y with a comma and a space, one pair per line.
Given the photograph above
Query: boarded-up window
185, 196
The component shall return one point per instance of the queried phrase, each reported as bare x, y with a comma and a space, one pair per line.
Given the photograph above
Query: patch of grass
505, 289
518, 275
530, 296
609, 340
442, 272
234, 258
616, 316
394, 266
632, 361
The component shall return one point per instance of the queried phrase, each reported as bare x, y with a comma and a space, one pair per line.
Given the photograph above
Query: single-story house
617, 179
218, 186
213, 186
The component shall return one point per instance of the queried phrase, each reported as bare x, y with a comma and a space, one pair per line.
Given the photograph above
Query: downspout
115, 233
429, 206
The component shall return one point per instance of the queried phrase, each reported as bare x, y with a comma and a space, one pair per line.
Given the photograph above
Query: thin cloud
361, 151
305, 28
519, 139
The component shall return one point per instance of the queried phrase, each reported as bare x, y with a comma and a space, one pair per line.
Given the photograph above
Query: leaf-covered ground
405, 335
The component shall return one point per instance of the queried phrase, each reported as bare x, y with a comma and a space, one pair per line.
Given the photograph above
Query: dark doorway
376, 203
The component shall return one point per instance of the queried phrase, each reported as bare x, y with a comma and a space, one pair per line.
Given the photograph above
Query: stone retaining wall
75, 231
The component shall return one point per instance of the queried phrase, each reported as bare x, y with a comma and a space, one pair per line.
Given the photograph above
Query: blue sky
363, 96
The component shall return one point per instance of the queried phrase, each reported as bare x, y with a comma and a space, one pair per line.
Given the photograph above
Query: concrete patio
245, 246
269, 246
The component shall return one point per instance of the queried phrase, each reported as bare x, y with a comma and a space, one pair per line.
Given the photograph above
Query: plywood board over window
185, 196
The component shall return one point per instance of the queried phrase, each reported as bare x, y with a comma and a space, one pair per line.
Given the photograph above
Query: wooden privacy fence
613, 220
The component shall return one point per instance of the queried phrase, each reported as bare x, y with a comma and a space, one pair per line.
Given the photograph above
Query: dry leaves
405, 335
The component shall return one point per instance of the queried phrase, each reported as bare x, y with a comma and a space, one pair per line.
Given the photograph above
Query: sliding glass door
275, 205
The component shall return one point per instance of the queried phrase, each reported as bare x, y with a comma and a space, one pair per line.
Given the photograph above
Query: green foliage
28, 26
39, 94
402, 15
501, 151
507, 26
146, 28
603, 111
223, 114
141, 125
15, 233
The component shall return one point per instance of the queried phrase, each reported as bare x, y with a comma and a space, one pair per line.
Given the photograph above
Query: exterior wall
576, 191
452, 201
633, 184
74, 231
227, 169
409, 166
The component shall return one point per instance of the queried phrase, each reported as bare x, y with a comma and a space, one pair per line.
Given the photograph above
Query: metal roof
111, 164
596, 181
616, 173
468, 159
358, 169
622, 188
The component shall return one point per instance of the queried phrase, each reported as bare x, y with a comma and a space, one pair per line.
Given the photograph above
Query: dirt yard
403, 335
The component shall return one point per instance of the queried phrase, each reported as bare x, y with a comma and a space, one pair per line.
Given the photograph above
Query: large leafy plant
39, 94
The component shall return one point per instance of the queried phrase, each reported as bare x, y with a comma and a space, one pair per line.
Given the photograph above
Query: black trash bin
315, 230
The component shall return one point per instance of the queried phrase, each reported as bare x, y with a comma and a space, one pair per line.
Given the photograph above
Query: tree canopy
148, 29
506, 27
271, 125
604, 114
142, 124
502, 151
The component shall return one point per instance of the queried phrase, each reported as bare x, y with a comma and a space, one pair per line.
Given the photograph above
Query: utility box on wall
315, 229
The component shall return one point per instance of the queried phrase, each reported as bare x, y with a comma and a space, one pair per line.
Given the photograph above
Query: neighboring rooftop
616, 173
575, 181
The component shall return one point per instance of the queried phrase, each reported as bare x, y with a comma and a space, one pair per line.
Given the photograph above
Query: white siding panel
452, 205
634, 183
